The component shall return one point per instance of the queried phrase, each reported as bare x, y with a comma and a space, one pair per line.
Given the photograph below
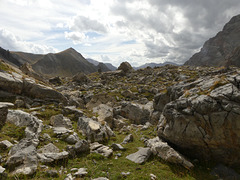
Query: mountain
65, 63
110, 66
24, 57
221, 50
96, 63
9, 58
152, 65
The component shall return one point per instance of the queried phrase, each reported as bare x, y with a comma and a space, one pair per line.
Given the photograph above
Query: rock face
205, 126
223, 49
16, 84
105, 114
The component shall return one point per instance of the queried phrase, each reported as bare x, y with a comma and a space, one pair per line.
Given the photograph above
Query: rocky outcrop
3, 114
17, 84
205, 126
104, 114
125, 67
223, 49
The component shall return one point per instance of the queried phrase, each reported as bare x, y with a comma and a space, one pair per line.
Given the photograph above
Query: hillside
221, 50
65, 63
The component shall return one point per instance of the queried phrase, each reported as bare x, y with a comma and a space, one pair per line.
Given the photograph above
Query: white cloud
9, 41
160, 30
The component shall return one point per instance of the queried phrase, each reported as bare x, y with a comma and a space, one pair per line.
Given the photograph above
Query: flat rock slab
81, 172
140, 156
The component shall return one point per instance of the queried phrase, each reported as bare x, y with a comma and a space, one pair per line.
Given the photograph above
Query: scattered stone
72, 110
82, 146
146, 126
60, 121
81, 172
52, 157
128, 139
46, 136
49, 148
100, 178
101, 149
117, 147
140, 156
5, 144
2, 170
81, 78
153, 177
72, 139
74, 169
69, 177
125, 174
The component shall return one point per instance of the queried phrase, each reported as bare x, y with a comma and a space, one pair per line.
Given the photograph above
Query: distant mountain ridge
96, 63
64, 64
221, 50
152, 65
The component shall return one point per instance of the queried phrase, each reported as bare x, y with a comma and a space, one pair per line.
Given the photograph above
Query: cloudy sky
137, 31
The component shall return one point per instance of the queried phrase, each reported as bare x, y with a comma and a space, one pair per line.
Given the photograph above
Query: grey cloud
82, 23
203, 19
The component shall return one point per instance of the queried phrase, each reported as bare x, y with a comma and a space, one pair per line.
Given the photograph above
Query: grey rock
140, 156
52, 157
137, 113
101, 149
94, 130
81, 146
81, 172
105, 114
49, 148
117, 147
23, 157
72, 139
128, 139
98, 99
125, 67
81, 78
125, 174
20, 118
69, 177
146, 126
2, 170
100, 178
5, 144
72, 110
167, 153
160, 100
61, 131
46, 136
19, 103
60, 121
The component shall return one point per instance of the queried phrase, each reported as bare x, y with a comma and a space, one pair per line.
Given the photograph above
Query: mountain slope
109, 66
65, 63
24, 57
223, 49
9, 58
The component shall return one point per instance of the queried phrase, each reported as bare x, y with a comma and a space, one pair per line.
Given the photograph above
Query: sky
113, 31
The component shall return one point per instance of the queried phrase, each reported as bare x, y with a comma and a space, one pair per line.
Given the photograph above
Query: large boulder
140, 156
137, 113
81, 78
93, 130
104, 114
23, 157
167, 153
205, 126
20, 118
100, 149
98, 99
125, 67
